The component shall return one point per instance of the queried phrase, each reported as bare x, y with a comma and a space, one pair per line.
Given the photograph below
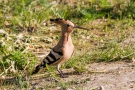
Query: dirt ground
100, 76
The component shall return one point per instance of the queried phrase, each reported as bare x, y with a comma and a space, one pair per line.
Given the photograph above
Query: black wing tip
36, 70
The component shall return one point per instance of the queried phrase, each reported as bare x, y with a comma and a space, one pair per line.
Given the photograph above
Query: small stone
70, 89
100, 88
58, 88
131, 86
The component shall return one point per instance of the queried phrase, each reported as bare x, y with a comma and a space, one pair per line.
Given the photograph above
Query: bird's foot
63, 76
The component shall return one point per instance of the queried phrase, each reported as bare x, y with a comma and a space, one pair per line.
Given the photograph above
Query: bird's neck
64, 42
65, 38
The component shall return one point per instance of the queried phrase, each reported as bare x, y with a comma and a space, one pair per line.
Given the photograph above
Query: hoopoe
63, 50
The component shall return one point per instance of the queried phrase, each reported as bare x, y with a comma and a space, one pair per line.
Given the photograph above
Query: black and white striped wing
52, 57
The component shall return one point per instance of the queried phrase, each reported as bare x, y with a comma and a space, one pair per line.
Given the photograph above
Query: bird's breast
68, 51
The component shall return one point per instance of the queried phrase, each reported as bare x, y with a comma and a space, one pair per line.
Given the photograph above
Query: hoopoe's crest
63, 50
66, 25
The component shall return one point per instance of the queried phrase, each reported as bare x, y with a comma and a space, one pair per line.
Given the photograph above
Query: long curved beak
80, 27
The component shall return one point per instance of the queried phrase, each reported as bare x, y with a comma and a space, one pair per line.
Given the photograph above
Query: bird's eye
67, 25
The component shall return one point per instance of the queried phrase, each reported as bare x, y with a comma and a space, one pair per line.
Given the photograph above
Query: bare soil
100, 76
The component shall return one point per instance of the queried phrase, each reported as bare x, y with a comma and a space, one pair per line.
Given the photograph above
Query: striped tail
52, 57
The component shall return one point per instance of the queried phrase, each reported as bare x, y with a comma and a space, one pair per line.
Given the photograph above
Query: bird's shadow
71, 73
52, 79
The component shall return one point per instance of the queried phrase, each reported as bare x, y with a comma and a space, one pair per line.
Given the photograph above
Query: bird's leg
61, 73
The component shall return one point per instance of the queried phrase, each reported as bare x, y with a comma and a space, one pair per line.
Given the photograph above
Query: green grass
110, 26
112, 51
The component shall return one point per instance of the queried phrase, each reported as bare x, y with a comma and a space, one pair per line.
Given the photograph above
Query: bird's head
66, 25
